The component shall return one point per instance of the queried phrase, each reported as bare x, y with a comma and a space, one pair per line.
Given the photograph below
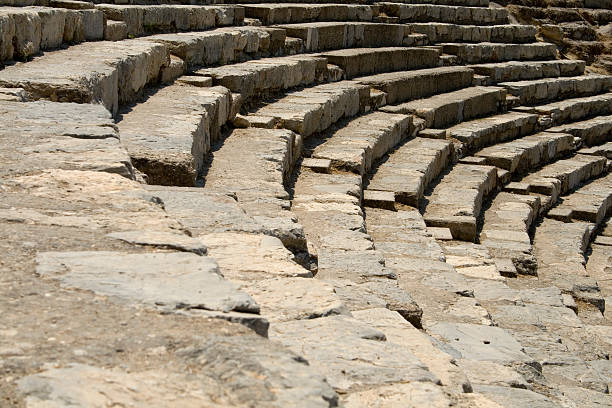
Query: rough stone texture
173, 280
102, 72
358, 145
446, 109
456, 201
408, 179
364, 357
62, 136
168, 141
409, 85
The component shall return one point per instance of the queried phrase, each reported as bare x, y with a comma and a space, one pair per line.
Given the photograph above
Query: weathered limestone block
528, 70
492, 52
521, 155
409, 85
366, 61
445, 109
315, 109
333, 36
356, 146
565, 175
219, 46
456, 201
363, 358
571, 110
282, 378
484, 132
408, 171
286, 299
267, 76
60, 136
172, 280
275, 13
169, 135
468, 339
590, 203
591, 131
423, 13
453, 32
99, 72
540, 90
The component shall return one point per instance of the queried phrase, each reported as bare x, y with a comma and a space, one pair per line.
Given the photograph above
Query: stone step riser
147, 20
294, 13
450, 33
445, 110
528, 70
538, 91
26, 32
411, 85
423, 13
491, 52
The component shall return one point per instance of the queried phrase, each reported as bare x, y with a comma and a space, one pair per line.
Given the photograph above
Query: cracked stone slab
162, 239
411, 395
378, 294
285, 299
349, 353
250, 257
481, 343
224, 372
174, 280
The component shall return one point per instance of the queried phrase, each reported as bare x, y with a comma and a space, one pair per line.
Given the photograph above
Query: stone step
505, 230
329, 208
466, 3
540, 90
605, 4
338, 35
116, 73
456, 200
222, 45
523, 155
408, 170
446, 109
169, 134
313, 109
559, 248
24, 32
529, 70
409, 85
366, 61
254, 166
455, 32
592, 132
426, 13
60, 136
479, 133
265, 77
557, 15
165, 18
359, 144
604, 150
572, 110
364, 349
590, 203
579, 31
559, 178
278, 13
492, 52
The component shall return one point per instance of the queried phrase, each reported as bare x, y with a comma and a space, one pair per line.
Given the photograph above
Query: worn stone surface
174, 280
365, 357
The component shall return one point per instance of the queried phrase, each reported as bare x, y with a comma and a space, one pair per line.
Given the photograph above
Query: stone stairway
369, 204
